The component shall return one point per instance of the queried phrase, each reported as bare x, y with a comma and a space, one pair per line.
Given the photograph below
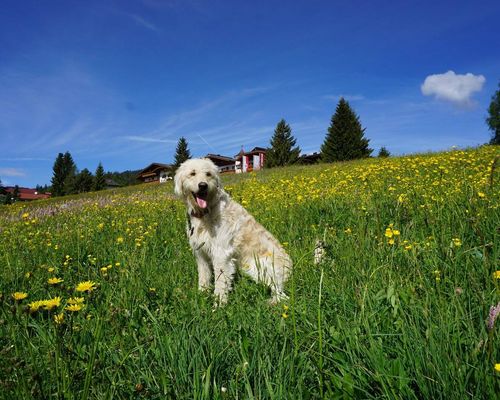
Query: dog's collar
199, 214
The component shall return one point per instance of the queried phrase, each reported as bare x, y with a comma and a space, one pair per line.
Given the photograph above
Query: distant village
244, 161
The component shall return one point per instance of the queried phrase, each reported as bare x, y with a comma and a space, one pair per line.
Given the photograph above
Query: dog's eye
193, 173
209, 174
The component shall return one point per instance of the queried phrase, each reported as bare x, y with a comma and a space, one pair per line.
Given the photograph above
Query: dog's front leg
224, 270
204, 271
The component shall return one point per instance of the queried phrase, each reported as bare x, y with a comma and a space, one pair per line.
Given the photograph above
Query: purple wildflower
494, 311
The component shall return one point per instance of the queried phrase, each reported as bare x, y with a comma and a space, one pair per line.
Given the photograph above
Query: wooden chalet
252, 160
226, 164
156, 172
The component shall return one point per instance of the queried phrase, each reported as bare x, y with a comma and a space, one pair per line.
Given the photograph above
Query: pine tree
493, 119
282, 151
99, 180
83, 181
383, 152
345, 138
69, 169
58, 176
182, 152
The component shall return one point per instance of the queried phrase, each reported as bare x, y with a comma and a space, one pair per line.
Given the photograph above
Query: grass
397, 308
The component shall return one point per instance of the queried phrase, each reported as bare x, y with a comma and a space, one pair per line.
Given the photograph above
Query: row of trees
66, 178
345, 140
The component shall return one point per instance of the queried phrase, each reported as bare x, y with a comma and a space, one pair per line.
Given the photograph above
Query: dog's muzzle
201, 195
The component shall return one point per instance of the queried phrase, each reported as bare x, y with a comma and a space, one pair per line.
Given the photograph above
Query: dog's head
196, 182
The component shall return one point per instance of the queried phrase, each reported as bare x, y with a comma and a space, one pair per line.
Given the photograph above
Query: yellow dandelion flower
388, 233
35, 305
496, 275
284, 315
395, 232
26, 215
86, 286
18, 296
51, 303
497, 367
28, 275
74, 307
391, 241
76, 300
59, 318
456, 242
54, 281
51, 269
481, 195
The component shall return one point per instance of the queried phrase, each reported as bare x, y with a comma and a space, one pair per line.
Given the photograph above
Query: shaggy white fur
224, 236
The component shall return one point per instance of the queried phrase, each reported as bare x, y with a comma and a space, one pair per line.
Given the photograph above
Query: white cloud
452, 87
11, 172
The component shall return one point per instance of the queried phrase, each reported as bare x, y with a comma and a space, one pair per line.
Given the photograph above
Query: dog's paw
277, 298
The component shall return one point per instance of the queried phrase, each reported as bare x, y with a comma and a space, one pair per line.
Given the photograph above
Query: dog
224, 236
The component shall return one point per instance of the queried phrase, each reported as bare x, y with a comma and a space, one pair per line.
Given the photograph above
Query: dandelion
284, 315
51, 303
76, 300
456, 242
74, 307
54, 281
59, 318
119, 240
496, 275
497, 367
35, 305
18, 296
86, 286
28, 275
481, 195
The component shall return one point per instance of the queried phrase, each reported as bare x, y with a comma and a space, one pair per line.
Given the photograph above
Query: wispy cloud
12, 172
141, 21
145, 139
348, 97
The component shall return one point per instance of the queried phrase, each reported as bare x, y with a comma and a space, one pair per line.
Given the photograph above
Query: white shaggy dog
223, 235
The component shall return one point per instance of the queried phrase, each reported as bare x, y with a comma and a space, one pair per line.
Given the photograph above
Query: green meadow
99, 299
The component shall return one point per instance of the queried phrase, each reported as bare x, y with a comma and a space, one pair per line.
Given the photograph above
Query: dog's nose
203, 186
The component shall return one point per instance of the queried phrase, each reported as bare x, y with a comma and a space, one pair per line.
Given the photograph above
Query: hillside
99, 300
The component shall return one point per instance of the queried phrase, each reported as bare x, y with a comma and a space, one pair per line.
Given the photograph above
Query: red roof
28, 194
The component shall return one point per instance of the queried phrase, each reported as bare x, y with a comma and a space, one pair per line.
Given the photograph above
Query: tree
3, 194
383, 152
345, 138
282, 151
99, 180
493, 119
83, 181
182, 152
64, 172
58, 176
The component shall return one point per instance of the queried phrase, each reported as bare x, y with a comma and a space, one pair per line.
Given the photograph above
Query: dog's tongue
202, 203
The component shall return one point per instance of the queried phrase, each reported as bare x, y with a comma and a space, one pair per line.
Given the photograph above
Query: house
26, 194
308, 159
111, 184
156, 172
226, 164
251, 160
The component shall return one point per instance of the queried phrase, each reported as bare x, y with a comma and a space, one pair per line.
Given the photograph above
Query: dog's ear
178, 183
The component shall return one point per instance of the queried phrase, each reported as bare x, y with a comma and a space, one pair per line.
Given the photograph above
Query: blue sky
119, 82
